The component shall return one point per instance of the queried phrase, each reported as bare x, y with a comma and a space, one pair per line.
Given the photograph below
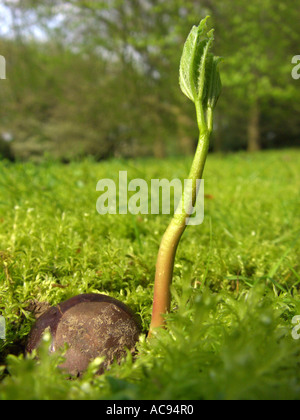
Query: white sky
5, 21
6, 24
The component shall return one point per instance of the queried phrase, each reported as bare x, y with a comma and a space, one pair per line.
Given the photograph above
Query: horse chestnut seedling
92, 326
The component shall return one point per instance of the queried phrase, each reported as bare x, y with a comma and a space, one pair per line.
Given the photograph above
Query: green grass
235, 290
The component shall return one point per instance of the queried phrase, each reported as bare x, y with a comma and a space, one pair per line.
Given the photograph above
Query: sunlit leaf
199, 74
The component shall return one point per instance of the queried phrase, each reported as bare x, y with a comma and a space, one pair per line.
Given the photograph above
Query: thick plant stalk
200, 81
172, 236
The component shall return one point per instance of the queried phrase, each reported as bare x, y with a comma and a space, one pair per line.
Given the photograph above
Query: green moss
236, 281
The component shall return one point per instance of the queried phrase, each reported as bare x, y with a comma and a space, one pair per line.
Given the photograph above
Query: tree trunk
187, 145
159, 149
254, 143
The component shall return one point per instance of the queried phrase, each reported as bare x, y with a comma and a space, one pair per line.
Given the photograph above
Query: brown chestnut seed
92, 326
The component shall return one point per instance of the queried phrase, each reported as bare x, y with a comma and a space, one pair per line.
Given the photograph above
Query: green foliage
199, 73
217, 347
103, 81
235, 290
258, 41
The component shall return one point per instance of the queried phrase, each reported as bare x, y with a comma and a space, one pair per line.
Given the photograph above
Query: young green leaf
214, 85
199, 75
191, 60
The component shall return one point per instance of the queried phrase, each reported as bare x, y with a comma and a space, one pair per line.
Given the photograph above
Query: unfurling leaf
199, 75
213, 79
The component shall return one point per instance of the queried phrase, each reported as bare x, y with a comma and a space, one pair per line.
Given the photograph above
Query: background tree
258, 41
101, 78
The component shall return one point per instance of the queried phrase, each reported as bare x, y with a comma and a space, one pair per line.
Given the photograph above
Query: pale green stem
171, 238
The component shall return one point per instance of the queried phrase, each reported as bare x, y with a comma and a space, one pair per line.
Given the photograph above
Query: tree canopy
101, 78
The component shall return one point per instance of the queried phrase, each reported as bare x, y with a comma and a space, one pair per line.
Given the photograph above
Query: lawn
236, 283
